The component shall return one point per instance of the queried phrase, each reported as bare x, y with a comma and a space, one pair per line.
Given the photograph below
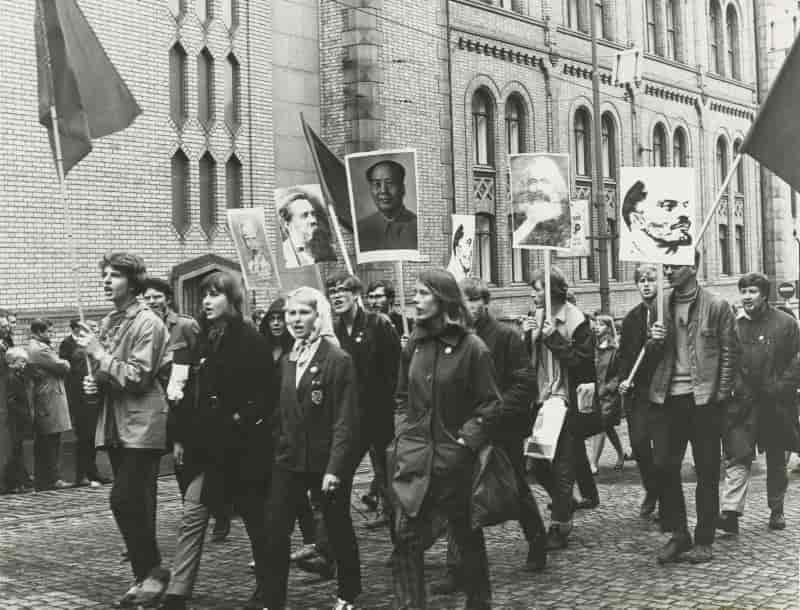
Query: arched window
609, 147
582, 141
180, 192
715, 36
205, 88
732, 39
650, 18
520, 258
724, 250
208, 193
659, 146
204, 10
679, 158
484, 247
515, 125
230, 14
739, 182
722, 159
233, 182
233, 86
177, 8
482, 128
177, 85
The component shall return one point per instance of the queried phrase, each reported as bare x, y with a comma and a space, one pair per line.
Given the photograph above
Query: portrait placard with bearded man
540, 199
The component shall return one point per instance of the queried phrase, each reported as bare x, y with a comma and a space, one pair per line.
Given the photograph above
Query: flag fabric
774, 136
332, 175
76, 76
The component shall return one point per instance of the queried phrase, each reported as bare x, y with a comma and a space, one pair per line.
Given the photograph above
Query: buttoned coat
446, 389
134, 413
50, 407
375, 349
319, 417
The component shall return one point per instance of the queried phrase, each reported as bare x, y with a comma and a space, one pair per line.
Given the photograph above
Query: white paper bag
585, 394
546, 429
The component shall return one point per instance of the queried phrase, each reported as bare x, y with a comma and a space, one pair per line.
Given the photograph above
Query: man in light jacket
696, 349
125, 359
50, 408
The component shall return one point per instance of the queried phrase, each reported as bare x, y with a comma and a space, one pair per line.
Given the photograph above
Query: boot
728, 521
537, 554
677, 545
776, 519
556, 539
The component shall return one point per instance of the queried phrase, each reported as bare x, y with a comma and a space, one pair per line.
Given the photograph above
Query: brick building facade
464, 82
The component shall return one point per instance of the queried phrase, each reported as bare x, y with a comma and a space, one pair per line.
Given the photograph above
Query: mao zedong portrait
392, 226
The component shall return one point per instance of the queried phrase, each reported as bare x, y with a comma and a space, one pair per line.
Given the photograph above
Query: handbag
543, 440
495, 495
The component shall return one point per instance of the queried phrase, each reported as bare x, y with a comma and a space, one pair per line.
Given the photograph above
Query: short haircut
643, 269
559, 288
475, 288
342, 278
759, 280
457, 237
16, 353
75, 323
397, 169
388, 288
129, 265
285, 210
156, 283
39, 325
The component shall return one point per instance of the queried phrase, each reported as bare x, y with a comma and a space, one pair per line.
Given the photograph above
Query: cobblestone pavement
61, 549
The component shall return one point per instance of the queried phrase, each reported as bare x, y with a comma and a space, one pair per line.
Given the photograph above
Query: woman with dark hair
273, 327
221, 433
447, 405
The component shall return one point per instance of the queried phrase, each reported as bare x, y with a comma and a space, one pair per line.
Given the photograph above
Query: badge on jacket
316, 397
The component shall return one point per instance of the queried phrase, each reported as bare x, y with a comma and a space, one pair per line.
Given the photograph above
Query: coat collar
316, 361
450, 335
359, 322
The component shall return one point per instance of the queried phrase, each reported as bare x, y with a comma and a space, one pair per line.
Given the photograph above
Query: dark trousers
408, 564
250, 503
674, 424
570, 465
46, 453
309, 516
286, 494
16, 473
777, 480
133, 503
530, 519
638, 416
84, 411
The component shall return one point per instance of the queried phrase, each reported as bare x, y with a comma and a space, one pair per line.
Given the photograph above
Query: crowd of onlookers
269, 417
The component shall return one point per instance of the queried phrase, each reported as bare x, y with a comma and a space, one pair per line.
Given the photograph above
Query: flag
332, 175
76, 76
774, 137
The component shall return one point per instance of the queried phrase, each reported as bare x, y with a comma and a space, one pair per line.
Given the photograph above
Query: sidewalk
61, 549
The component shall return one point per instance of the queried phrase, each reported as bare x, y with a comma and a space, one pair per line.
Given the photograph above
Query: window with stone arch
482, 132
733, 56
722, 160
515, 124
738, 183
576, 17
205, 88
674, 46
177, 85
181, 219
582, 140
715, 41
679, 154
659, 146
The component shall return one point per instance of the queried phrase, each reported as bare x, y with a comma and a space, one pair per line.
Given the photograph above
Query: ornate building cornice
501, 51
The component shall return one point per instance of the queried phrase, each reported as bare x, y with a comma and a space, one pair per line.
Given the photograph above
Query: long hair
445, 289
608, 321
285, 340
224, 283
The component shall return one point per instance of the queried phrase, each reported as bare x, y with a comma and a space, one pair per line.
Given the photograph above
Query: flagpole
62, 182
328, 199
717, 201
402, 290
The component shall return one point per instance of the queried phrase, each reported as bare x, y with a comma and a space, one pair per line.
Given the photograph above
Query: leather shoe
152, 588
318, 565
126, 601
728, 521
587, 503
648, 507
678, 544
537, 555
555, 539
701, 553
777, 521
448, 586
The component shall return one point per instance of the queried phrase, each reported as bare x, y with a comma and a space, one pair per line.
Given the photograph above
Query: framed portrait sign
306, 236
658, 212
462, 240
384, 204
540, 201
249, 234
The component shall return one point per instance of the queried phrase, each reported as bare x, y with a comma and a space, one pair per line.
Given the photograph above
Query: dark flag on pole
332, 175
75, 75
774, 137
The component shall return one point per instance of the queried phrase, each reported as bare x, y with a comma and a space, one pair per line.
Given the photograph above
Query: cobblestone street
62, 550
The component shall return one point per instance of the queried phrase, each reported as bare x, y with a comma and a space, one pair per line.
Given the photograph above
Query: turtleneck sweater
681, 383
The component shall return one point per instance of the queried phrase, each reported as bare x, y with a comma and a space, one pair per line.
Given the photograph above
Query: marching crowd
270, 420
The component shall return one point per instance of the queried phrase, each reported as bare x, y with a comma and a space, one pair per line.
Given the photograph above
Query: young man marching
125, 361
763, 410
697, 351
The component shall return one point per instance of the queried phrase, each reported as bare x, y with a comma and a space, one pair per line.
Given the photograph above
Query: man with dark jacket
565, 337
763, 410
373, 343
517, 383
635, 332
697, 350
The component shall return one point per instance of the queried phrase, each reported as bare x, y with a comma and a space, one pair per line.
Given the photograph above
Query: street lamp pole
597, 169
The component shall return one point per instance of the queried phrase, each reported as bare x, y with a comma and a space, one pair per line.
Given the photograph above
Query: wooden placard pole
402, 290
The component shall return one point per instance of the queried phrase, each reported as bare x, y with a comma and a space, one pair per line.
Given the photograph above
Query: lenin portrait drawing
540, 199
383, 201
